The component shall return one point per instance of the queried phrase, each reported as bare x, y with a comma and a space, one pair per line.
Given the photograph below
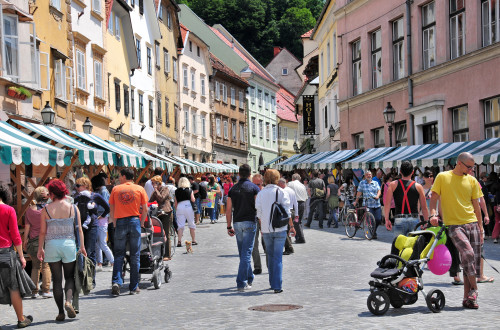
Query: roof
184, 33
280, 53
318, 22
285, 108
218, 65
307, 34
252, 66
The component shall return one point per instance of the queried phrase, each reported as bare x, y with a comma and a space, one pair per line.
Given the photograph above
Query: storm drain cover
275, 308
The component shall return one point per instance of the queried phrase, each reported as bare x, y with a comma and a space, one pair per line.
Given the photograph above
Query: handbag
279, 217
5, 258
193, 204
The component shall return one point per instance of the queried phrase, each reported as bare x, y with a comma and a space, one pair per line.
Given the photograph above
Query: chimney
277, 50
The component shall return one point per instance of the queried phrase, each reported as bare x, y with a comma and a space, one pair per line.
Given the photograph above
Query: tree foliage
259, 25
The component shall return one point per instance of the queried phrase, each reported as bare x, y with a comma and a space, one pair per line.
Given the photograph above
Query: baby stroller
153, 245
398, 279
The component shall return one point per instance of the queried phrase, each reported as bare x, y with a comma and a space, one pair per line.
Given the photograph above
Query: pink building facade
449, 93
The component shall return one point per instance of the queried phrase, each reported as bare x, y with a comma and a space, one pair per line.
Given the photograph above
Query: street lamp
331, 131
140, 142
167, 151
48, 115
296, 147
214, 154
311, 142
185, 150
87, 126
161, 148
389, 114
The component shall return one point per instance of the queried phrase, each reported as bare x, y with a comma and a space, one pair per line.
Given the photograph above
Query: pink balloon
441, 261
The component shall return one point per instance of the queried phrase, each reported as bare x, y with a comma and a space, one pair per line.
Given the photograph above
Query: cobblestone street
328, 276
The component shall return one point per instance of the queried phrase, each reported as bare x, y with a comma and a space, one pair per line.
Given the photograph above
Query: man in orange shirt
126, 201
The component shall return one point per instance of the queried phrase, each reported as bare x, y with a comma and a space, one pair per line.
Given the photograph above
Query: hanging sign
308, 115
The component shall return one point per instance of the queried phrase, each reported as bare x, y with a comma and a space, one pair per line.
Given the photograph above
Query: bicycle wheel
368, 225
173, 240
351, 224
342, 217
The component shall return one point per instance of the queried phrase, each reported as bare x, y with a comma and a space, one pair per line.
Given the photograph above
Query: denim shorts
60, 250
198, 205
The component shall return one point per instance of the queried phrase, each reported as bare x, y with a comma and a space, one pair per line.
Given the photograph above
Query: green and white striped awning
367, 157
331, 160
231, 168
395, 157
17, 148
156, 162
188, 165
86, 154
127, 159
488, 152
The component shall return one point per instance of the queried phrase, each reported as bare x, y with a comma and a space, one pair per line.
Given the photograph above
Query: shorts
197, 201
467, 240
60, 250
185, 213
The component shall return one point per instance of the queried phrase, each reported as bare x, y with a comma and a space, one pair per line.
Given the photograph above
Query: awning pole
23, 208
69, 167
139, 177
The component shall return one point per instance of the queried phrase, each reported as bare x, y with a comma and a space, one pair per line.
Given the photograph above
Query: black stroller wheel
351, 225
435, 300
157, 279
378, 302
168, 275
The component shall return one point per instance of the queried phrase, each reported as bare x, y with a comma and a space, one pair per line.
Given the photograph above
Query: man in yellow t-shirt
460, 194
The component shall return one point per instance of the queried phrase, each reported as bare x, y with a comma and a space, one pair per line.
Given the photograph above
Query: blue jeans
333, 217
275, 243
377, 214
198, 205
90, 241
402, 226
102, 246
214, 210
127, 230
245, 237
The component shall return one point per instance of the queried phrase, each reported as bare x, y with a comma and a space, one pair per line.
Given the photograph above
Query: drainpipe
410, 131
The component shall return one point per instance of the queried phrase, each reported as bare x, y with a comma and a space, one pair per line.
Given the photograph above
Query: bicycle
343, 211
356, 221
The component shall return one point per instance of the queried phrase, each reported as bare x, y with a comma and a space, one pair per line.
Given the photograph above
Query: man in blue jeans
127, 202
240, 209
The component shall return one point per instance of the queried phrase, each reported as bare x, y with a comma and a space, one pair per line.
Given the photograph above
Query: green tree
294, 23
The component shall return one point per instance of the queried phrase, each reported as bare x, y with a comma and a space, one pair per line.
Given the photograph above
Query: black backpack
81, 202
203, 192
279, 216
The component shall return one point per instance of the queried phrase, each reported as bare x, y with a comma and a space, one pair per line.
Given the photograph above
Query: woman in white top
273, 237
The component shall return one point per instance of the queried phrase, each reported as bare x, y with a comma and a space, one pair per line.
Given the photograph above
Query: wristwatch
230, 227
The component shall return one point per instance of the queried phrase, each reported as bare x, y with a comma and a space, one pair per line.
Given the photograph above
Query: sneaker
495, 241
98, 269
246, 287
278, 291
286, 253
257, 271
115, 290
47, 295
34, 295
136, 291
27, 321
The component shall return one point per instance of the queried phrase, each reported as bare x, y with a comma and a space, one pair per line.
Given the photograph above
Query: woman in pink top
14, 282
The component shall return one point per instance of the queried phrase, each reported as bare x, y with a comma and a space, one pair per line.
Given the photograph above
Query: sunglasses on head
78, 185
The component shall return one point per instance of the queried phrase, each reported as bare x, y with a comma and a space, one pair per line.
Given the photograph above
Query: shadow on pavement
228, 256
409, 310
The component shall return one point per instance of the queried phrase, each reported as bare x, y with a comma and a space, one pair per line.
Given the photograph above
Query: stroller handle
426, 224
392, 256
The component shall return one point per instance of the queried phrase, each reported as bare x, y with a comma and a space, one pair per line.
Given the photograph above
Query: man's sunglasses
468, 167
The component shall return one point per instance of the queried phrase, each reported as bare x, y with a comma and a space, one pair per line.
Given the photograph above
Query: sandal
194, 243
486, 280
457, 283
469, 304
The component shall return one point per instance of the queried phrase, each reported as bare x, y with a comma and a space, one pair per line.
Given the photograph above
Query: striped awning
156, 162
274, 160
488, 152
307, 163
395, 157
86, 154
189, 166
17, 148
280, 164
329, 161
367, 157
289, 164
127, 159
444, 153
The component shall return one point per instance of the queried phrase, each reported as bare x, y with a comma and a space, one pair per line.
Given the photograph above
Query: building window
217, 90
268, 131
132, 103
80, 70
430, 133
166, 61
10, 45
185, 76
202, 84
457, 28
254, 126
157, 54
400, 132
176, 118
242, 133
158, 106
117, 97
224, 93
141, 7
252, 94
190, 46
98, 79
492, 118
125, 101
328, 58
321, 69
325, 116
167, 112
194, 123
356, 67
150, 64
266, 100
261, 128
376, 59
186, 120
490, 21
193, 82
259, 98
203, 126
226, 133
273, 104
398, 52
379, 137
217, 126
151, 113
460, 124
233, 96
284, 71
359, 141
198, 51
334, 50
274, 134
429, 35
169, 19
160, 11
138, 48
241, 102
117, 27
132, 3
174, 63
141, 108
233, 131
56, 4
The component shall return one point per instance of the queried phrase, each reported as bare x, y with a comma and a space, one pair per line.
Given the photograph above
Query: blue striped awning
337, 157
395, 157
307, 163
274, 160
367, 157
291, 164
444, 153
279, 165
86, 154
17, 148
488, 152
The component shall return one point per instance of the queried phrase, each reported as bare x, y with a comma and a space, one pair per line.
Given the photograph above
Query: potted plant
18, 92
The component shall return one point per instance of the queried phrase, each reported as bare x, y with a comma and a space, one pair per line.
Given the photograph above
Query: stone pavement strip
328, 276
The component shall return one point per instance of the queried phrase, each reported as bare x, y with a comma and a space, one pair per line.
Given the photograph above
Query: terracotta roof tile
220, 66
285, 105
307, 34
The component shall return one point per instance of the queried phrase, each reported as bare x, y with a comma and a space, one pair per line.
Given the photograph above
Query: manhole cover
275, 308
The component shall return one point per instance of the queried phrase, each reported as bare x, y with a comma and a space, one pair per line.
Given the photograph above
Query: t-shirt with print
456, 194
127, 199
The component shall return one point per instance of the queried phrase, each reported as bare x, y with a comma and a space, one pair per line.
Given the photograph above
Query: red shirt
9, 232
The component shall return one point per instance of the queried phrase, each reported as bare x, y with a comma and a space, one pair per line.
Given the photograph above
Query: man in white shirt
148, 186
294, 208
301, 197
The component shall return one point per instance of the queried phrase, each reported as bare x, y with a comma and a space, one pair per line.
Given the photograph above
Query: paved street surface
328, 276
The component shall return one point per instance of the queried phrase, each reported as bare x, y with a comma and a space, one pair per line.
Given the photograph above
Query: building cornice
349, 8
